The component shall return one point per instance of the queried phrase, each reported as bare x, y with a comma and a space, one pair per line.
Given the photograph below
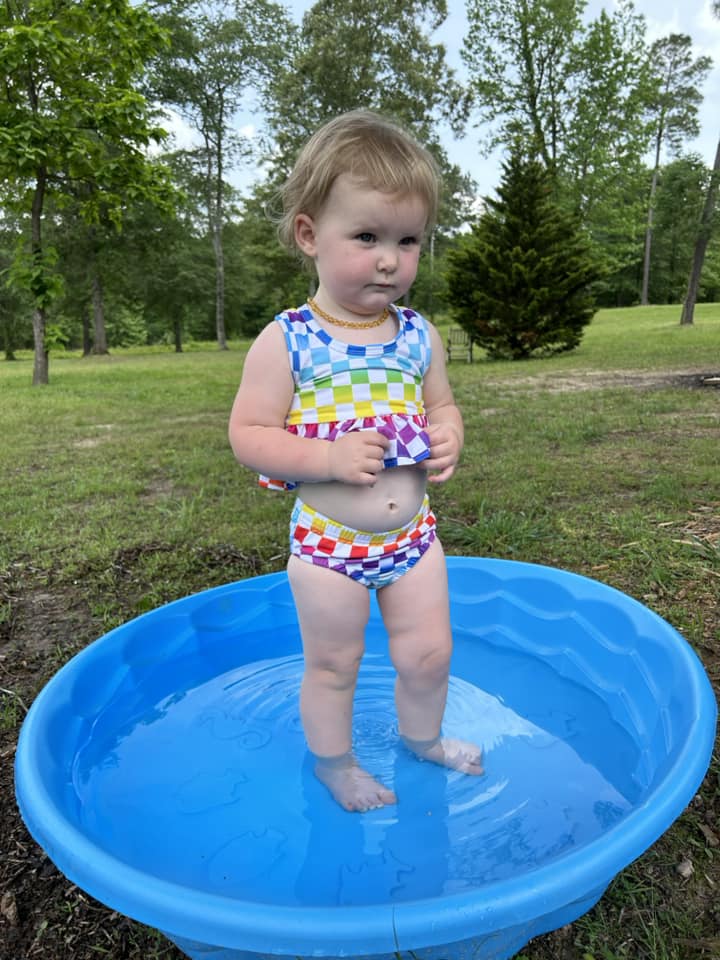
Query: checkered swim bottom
373, 559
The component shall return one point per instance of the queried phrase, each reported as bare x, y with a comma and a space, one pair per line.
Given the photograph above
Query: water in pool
199, 774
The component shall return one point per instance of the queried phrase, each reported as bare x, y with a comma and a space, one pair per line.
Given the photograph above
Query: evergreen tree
520, 282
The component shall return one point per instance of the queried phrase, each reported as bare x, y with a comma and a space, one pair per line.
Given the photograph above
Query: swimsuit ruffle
409, 442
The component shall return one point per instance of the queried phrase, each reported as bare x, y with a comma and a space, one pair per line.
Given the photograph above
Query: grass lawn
120, 493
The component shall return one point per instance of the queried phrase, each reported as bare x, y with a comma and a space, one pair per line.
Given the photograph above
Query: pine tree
520, 282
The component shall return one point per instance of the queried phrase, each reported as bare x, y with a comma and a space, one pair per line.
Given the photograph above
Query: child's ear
305, 234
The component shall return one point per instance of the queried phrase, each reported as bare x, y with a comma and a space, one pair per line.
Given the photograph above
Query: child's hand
445, 448
357, 457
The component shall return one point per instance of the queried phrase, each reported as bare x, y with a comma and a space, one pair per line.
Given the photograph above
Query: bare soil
554, 382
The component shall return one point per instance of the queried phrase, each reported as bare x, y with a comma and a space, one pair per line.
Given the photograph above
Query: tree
520, 282
389, 63
14, 307
607, 131
517, 54
378, 54
616, 234
70, 114
221, 54
680, 191
165, 263
702, 239
674, 112
704, 230
576, 94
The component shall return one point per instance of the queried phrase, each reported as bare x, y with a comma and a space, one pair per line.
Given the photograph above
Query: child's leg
333, 612
415, 610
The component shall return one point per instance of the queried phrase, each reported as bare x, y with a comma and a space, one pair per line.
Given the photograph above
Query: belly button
392, 505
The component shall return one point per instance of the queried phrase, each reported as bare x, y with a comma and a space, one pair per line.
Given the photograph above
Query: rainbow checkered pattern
373, 559
341, 387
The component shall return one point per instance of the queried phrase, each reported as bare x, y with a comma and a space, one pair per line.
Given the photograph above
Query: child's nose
387, 261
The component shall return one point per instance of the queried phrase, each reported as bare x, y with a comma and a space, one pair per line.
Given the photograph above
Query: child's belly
392, 501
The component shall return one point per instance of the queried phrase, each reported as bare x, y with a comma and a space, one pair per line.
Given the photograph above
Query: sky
691, 17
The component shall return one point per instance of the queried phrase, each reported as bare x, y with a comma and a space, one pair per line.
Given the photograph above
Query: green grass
120, 493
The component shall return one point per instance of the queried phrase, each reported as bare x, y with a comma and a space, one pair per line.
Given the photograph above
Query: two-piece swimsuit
342, 387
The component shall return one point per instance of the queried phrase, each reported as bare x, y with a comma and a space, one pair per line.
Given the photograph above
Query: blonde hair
371, 149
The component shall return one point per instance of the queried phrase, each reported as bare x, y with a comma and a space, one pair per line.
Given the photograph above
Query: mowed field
119, 493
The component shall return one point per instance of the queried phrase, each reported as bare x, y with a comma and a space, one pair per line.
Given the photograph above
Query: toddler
346, 401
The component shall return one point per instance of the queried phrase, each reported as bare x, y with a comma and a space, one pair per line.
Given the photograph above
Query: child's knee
429, 668
335, 669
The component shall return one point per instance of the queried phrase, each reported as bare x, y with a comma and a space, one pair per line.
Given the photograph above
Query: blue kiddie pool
164, 771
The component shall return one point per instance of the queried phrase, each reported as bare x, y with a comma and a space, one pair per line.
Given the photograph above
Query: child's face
365, 245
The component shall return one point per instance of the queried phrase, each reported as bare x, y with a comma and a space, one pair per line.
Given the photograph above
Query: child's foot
448, 752
352, 787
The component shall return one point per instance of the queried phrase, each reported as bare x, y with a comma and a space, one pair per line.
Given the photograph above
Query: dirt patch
43, 624
40, 629
634, 379
89, 442
700, 381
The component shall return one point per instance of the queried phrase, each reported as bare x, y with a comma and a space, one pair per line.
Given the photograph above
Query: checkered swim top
341, 387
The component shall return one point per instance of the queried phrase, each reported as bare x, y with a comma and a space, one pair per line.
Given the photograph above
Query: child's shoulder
411, 315
293, 315
414, 321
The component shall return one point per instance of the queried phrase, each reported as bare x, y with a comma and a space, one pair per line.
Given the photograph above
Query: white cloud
182, 135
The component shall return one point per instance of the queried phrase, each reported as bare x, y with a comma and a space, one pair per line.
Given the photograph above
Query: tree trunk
87, 341
8, 344
219, 284
217, 229
649, 227
214, 180
100, 334
178, 335
701, 243
41, 365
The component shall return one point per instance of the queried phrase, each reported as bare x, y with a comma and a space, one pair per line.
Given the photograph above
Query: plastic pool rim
187, 911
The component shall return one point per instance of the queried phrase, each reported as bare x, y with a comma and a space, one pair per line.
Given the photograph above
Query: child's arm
257, 426
446, 426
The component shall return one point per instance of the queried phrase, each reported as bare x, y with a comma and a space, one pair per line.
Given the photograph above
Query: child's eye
408, 241
366, 237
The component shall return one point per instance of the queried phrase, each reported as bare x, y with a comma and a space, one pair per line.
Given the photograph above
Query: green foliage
678, 203
674, 111
15, 308
73, 124
390, 62
219, 53
604, 125
574, 92
518, 60
70, 112
678, 78
429, 293
617, 234
56, 337
268, 278
519, 283
37, 274
126, 327
578, 94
